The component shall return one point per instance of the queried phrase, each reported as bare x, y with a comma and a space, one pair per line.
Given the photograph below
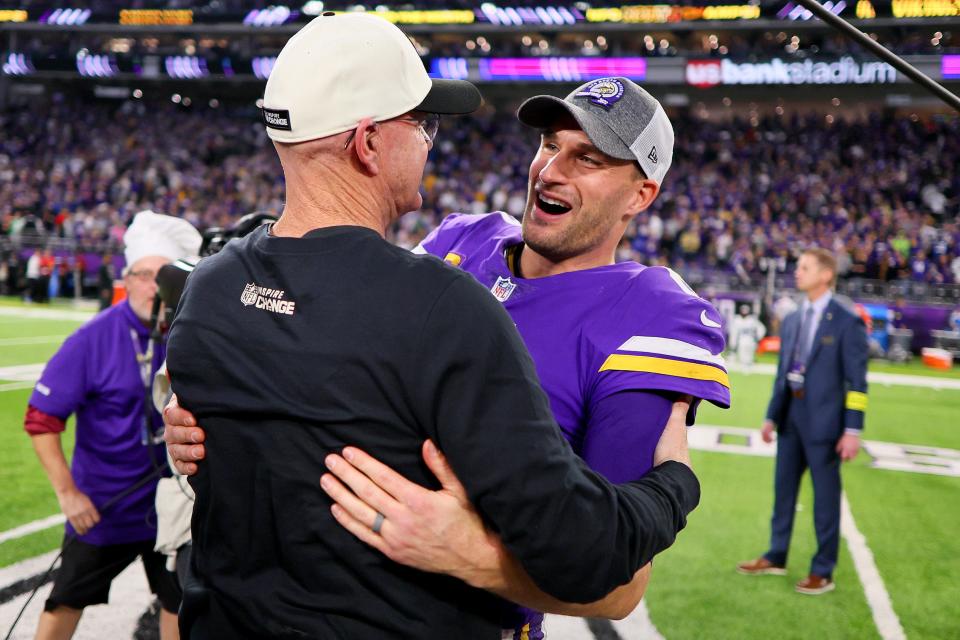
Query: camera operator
102, 373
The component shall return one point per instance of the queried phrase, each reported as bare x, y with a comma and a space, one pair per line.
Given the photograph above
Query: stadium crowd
756, 45
883, 192
59, 50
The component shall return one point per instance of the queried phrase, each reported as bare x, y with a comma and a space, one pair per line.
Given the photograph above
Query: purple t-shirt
598, 336
96, 376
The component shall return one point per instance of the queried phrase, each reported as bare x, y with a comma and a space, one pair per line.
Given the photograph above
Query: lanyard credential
145, 366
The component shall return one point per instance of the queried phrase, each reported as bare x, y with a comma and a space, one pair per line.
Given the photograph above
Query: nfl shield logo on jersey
502, 289
249, 295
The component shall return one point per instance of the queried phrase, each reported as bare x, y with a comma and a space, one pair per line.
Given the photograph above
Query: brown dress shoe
761, 566
815, 585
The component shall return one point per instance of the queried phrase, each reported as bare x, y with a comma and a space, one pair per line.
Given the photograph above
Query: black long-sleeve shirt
287, 349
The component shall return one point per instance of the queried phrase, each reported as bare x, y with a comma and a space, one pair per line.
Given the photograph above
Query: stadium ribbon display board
547, 14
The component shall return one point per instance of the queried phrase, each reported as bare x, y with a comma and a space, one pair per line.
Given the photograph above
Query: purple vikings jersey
594, 333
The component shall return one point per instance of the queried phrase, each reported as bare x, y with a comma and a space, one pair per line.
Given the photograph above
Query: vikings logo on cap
604, 92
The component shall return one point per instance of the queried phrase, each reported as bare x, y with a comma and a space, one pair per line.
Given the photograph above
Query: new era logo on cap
652, 156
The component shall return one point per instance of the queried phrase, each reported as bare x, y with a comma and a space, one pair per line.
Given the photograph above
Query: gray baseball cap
620, 118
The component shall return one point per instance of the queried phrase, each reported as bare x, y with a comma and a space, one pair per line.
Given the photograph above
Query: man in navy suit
817, 409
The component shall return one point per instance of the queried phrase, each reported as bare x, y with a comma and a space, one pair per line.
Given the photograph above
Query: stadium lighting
95, 66
312, 8
17, 64
185, 67
262, 66
271, 16
66, 17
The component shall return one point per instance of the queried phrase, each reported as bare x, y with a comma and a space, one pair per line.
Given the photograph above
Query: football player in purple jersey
615, 344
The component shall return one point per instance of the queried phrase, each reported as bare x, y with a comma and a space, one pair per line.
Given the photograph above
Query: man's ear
368, 145
644, 193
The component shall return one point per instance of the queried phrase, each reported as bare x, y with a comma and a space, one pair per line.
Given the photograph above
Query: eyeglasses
143, 275
429, 125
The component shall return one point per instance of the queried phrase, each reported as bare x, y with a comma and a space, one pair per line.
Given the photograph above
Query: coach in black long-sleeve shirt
317, 333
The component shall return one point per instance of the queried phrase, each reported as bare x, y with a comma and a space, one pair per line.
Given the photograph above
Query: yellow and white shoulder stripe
659, 357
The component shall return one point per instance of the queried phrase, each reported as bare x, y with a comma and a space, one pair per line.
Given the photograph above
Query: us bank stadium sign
846, 70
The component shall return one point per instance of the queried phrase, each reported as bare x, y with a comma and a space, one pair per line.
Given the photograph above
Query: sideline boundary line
884, 617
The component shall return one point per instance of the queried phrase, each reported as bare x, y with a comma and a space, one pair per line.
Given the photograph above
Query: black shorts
87, 570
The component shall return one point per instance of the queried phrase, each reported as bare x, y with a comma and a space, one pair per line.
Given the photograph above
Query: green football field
910, 521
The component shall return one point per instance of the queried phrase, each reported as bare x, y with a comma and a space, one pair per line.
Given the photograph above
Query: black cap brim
451, 97
541, 112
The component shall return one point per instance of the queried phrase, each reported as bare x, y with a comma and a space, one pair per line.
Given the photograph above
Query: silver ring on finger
378, 522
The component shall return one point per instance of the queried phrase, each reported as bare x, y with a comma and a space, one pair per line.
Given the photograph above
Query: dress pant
796, 452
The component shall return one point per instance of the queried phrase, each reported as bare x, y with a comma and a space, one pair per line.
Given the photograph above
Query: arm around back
578, 536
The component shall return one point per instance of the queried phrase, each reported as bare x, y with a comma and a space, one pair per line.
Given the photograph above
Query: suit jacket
835, 384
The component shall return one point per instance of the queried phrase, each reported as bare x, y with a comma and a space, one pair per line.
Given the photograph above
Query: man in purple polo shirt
101, 374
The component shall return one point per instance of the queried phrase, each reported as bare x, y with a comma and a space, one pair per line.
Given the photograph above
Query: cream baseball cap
342, 68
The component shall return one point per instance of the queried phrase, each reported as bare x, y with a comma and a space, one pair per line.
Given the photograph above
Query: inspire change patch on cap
276, 118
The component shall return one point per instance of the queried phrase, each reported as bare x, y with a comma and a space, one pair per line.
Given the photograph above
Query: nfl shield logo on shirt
502, 289
249, 295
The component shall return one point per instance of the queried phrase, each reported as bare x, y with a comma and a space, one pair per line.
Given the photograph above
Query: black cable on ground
49, 572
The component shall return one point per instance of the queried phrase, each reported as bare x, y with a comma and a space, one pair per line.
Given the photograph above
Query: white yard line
638, 625
21, 376
884, 455
884, 617
16, 342
46, 314
129, 598
565, 628
16, 386
876, 377
32, 527
30, 567
22, 372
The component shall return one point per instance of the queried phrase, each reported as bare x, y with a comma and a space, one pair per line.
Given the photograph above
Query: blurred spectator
106, 274
33, 277
47, 264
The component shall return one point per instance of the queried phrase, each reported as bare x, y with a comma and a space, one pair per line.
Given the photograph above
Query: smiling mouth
551, 206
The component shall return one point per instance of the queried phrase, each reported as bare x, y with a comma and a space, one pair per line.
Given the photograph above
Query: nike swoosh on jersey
707, 322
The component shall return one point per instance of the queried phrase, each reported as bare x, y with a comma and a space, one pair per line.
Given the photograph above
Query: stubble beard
556, 245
